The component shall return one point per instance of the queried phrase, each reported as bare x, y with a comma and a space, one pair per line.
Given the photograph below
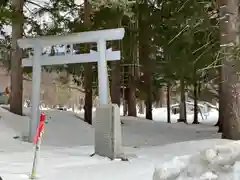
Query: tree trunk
144, 52
141, 106
131, 96
230, 86
88, 72
116, 74
183, 113
220, 102
160, 99
116, 82
125, 108
168, 103
132, 75
148, 101
195, 94
132, 111
16, 99
220, 110
124, 100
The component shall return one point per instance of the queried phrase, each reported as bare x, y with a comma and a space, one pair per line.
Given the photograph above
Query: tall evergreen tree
229, 29
16, 60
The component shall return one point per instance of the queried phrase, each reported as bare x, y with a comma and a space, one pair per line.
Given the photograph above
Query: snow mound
220, 162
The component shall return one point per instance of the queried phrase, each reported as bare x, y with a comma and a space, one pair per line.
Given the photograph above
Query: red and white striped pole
37, 142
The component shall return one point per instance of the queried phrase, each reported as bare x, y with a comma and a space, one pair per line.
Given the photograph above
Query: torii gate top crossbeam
82, 37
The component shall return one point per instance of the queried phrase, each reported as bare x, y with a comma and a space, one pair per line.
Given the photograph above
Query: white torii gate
101, 56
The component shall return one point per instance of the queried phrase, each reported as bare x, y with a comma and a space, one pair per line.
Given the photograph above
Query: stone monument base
108, 133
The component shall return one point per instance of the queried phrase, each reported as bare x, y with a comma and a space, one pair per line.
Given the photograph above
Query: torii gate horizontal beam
93, 56
74, 38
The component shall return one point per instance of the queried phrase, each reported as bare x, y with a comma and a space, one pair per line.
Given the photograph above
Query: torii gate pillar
102, 72
36, 91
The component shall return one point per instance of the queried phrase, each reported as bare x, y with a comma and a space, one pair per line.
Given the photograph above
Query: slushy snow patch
220, 162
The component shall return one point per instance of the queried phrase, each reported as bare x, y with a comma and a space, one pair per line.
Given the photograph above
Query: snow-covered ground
75, 163
150, 146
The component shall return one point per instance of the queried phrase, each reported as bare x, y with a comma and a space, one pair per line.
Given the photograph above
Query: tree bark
195, 94
141, 106
116, 82
168, 103
183, 113
229, 25
131, 96
125, 102
16, 99
220, 102
87, 71
160, 99
132, 75
116, 74
144, 55
148, 101
220, 110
